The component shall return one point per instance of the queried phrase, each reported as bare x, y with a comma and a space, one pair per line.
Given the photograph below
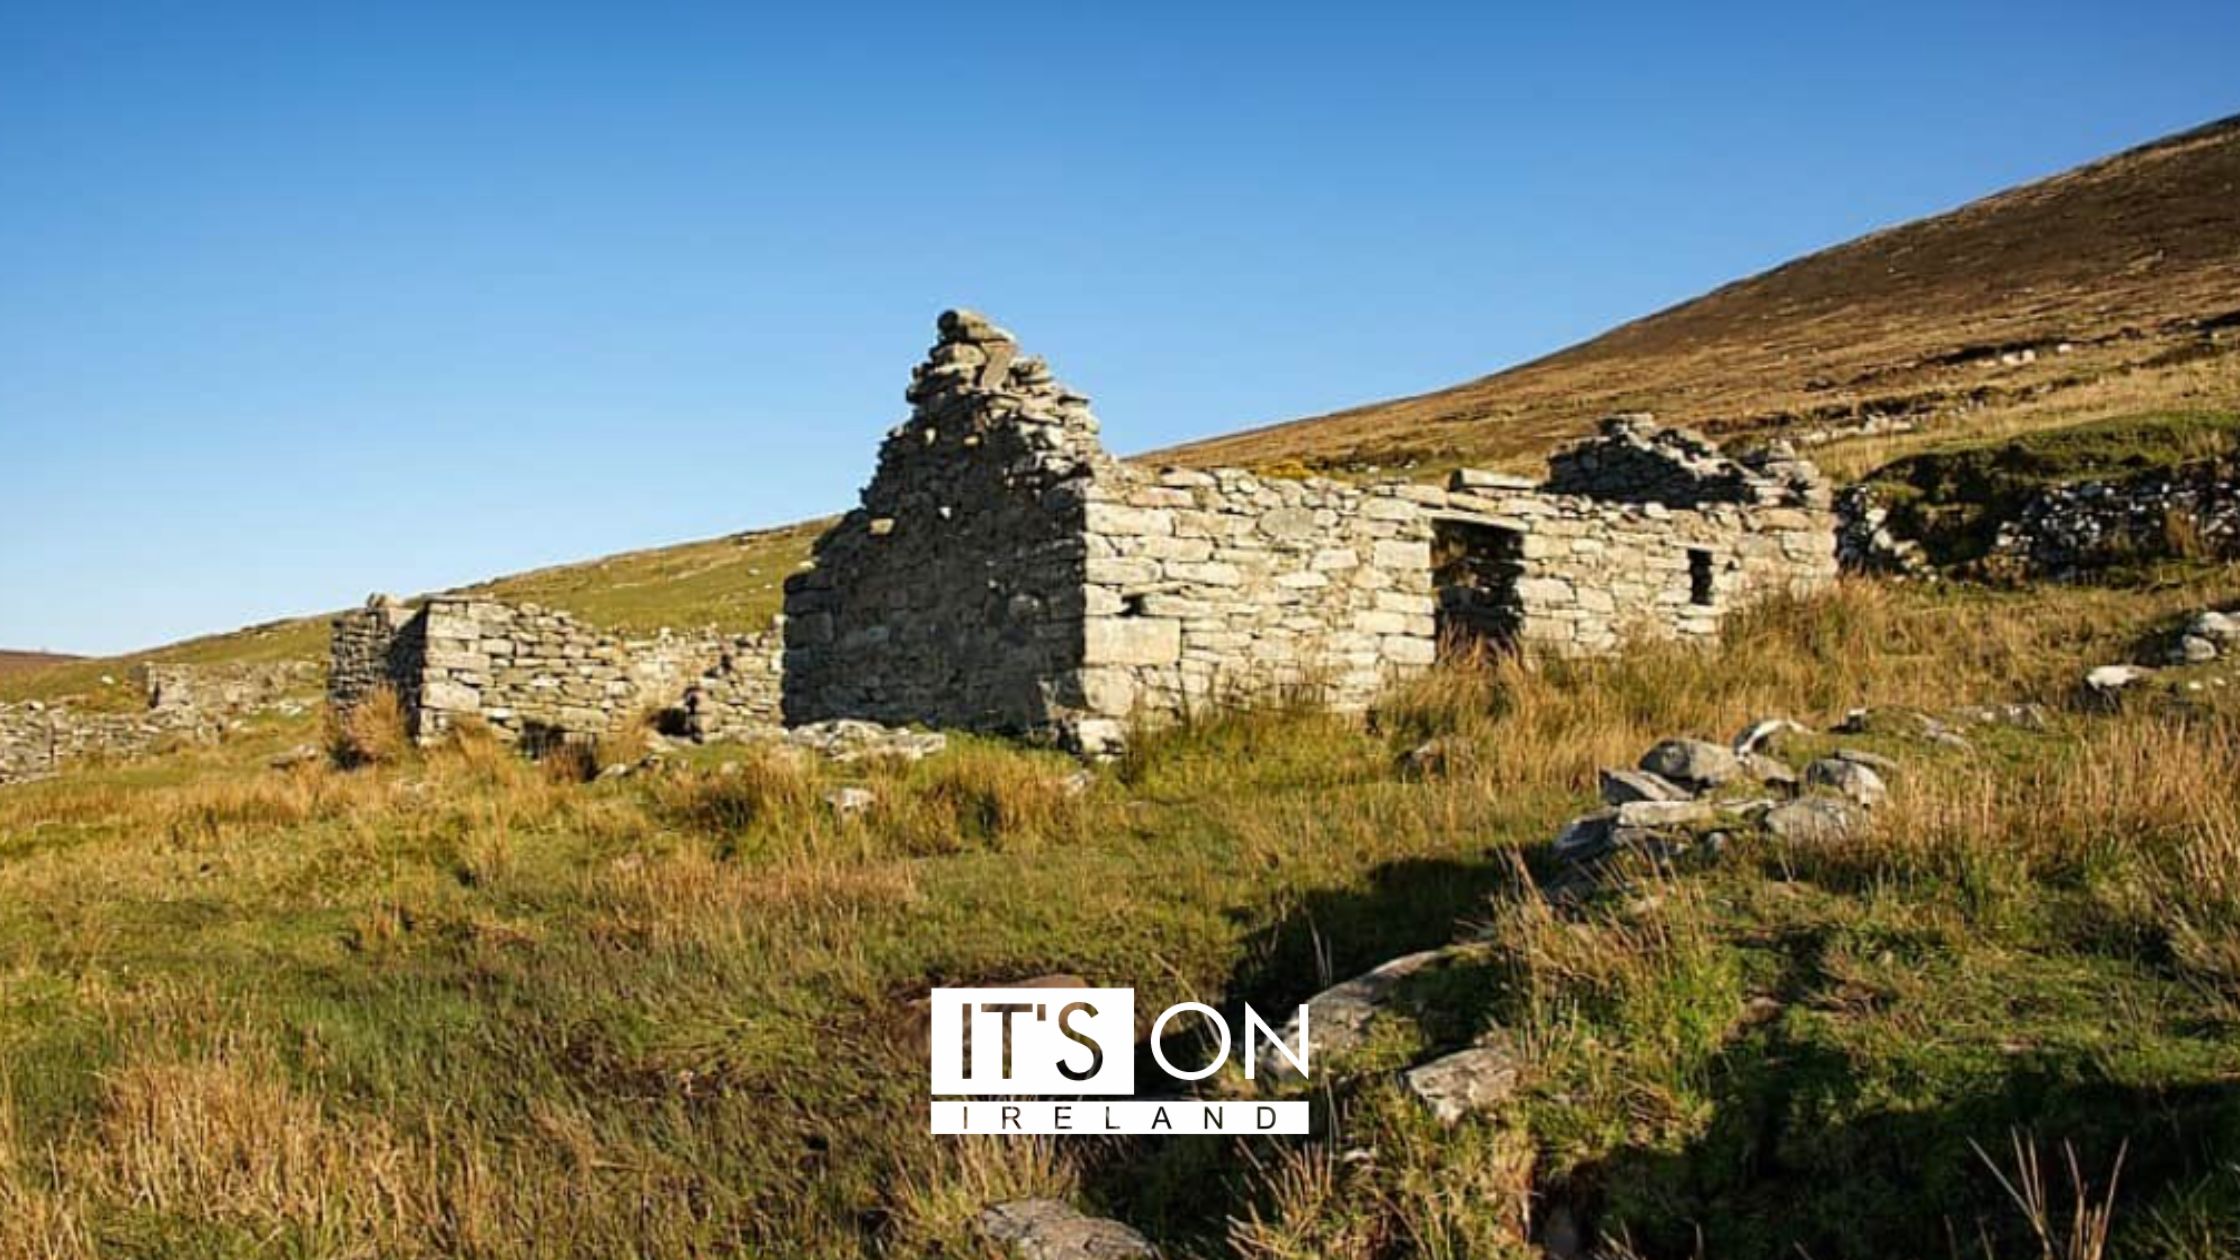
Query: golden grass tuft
371, 732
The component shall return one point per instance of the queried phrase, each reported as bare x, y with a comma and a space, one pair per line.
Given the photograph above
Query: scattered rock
1815, 820
1761, 734
1693, 763
1078, 783
1858, 782
1624, 787
850, 802
2220, 629
2104, 687
300, 755
1768, 770
1338, 1017
2193, 649
1465, 1082
1045, 1229
847, 740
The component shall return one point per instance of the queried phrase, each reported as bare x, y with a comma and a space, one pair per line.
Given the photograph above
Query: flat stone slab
1338, 1017
1625, 787
1045, 1229
1465, 1082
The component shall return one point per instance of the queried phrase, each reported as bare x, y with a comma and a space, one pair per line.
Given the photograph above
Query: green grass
1954, 496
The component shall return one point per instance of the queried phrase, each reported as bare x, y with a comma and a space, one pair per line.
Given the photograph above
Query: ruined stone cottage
1004, 572
539, 676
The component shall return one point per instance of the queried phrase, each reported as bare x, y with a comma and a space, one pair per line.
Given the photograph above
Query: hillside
2132, 263
24, 662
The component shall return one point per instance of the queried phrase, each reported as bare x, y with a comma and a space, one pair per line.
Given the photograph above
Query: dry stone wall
1003, 572
528, 673
738, 697
1206, 584
1568, 574
186, 704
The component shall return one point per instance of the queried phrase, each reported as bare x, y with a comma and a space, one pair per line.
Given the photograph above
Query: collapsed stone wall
1003, 572
528, 673
186, 704
2064, 532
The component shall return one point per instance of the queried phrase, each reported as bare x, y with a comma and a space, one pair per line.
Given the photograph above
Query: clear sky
300, 301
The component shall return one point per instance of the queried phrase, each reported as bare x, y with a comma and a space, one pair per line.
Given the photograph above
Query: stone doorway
1475, 568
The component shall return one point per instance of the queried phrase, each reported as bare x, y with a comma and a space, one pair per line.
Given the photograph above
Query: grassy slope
452, 1006
21, 662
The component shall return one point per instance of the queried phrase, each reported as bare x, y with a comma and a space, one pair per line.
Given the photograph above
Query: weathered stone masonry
1004, 572
528, 673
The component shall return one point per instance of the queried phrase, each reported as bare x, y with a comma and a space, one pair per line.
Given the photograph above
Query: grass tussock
371, 732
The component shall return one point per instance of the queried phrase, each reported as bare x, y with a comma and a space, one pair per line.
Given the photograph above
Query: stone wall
954, 595
1570, 574
1201, 585
740, 695
186, 704
2065, 532
377, 645
1003, 572
536, 674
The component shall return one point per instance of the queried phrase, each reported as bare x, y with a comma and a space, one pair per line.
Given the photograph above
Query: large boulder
1338, 1017
1815, 820
1695, 764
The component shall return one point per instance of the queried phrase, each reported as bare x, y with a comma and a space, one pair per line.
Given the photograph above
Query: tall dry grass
372, 732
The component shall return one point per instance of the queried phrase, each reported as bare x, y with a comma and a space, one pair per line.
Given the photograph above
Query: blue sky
303, 301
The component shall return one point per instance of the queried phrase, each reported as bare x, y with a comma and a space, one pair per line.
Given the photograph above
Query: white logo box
1070, 1042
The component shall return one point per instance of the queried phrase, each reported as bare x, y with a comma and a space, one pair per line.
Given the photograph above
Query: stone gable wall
1004, 573
953, 596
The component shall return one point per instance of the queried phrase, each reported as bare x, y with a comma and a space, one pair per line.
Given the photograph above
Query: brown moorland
2123, 273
